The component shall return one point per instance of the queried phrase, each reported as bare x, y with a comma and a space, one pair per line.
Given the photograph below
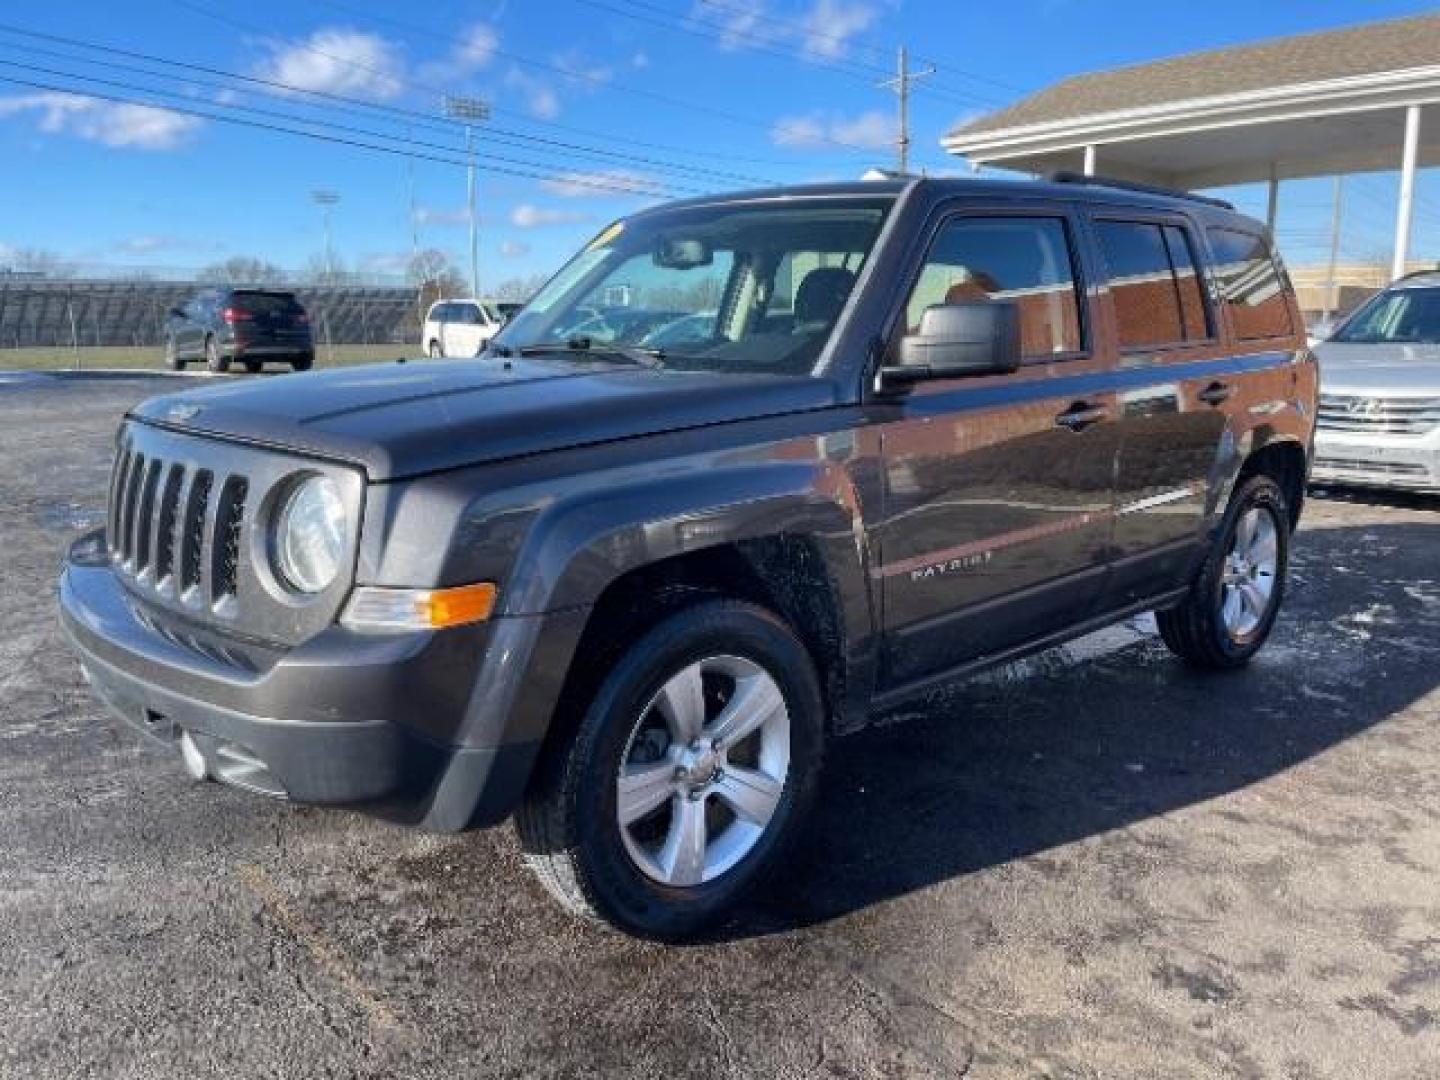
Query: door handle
1217, 393
1081, 415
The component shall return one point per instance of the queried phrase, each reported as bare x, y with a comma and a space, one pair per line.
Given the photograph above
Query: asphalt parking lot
1094, 865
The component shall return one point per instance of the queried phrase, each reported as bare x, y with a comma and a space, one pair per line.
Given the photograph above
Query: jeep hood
406, 418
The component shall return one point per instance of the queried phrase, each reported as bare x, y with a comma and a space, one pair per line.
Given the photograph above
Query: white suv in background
459, 327
1379, 421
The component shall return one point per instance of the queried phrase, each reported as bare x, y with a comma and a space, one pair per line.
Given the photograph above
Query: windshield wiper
638, 355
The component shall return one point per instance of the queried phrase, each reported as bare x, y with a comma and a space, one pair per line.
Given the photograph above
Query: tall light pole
471, 111
325, 199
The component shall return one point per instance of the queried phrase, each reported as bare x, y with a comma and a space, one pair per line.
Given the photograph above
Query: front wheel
173, 359
690, 773
1231, 606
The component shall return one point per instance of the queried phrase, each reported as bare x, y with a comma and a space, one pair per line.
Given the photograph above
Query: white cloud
473, 52
589, 74
338, 61
142, 127
824, 32
434, 215
540, 98
529, 216
513, 249
640, 60
872, 130
601, 183
738, 23
144, 245
830, 25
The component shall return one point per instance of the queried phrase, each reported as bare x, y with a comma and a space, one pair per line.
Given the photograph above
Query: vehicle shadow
995, 770
1400, 500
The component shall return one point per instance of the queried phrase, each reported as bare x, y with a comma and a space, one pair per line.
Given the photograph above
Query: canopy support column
1090, 160
1405, 216
1272, 202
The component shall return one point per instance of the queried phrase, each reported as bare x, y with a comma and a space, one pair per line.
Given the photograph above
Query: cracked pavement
1094, 864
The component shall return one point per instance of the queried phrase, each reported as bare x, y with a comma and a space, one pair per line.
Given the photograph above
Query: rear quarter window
1251, 285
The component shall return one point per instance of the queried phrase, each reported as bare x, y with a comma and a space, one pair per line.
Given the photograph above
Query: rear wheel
214, 359
173, 359
689, 775
435, 351
1231, 607
254, 367
302, 363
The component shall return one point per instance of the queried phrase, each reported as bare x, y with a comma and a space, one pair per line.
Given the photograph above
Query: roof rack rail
1066, 176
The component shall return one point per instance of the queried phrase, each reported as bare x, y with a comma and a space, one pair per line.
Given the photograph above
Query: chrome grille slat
229, 521
127, 510
1378, 415
145, 516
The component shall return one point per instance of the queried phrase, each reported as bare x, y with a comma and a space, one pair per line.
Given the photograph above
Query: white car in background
1379, 419
460, 327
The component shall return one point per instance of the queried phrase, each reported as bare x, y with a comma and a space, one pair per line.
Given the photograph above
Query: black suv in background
625, 593
220, 326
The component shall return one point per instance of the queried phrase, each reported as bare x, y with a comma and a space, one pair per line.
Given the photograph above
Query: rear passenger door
462, 332
998, 489
1175, 384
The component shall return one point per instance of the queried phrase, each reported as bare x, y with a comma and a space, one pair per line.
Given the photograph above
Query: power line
882, 53
505, 169
773, 46
434, 33
370, 111
351, 105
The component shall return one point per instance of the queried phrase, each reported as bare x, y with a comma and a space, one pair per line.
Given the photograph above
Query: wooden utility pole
901, 85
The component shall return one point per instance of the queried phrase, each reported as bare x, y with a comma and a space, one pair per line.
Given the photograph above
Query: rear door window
1251, 286
267, 304
1153, 284
1027, 260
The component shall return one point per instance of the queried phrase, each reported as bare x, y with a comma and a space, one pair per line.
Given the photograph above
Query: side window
441, 314
1250, 285
1153, 284
1024, 259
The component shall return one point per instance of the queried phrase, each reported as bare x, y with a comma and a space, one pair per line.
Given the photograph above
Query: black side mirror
177, 313
972, 337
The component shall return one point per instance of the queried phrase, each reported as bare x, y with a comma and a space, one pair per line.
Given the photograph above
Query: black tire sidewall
620, 890
1263, 493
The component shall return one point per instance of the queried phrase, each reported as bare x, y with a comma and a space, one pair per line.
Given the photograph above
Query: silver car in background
1379, 421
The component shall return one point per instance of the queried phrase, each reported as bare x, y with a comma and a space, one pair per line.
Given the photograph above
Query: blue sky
753, 91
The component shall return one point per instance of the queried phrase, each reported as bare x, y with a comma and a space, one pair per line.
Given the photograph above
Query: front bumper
1402, 462
384, 720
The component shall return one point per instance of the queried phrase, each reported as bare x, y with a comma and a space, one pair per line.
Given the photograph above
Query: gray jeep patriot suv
624, 593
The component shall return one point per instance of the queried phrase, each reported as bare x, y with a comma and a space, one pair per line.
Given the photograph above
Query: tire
569, 823
1223, 620
214, 360
254, 367
302, 363
436, 352
173, 360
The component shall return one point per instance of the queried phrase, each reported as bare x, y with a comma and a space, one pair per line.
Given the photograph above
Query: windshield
739, 287
1401, 317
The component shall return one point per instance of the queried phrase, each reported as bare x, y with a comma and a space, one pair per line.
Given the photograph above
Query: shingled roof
1393, 45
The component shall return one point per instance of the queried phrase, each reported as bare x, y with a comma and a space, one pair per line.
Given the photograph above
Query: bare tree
434, 277
520, 288
36, 262
242, 270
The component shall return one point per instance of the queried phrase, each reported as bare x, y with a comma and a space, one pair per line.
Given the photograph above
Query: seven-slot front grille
177, 527
188, 534
1376, 415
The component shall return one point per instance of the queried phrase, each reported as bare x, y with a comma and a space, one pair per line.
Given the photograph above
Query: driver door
998, 489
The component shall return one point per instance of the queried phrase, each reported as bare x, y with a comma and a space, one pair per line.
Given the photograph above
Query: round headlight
310, 535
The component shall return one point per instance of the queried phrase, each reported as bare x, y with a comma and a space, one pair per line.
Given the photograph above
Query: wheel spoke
1256, 598
752, 794
1245, 530
642, 788
682, 857
1263, 548
756, 700
1232, 607
682, 702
